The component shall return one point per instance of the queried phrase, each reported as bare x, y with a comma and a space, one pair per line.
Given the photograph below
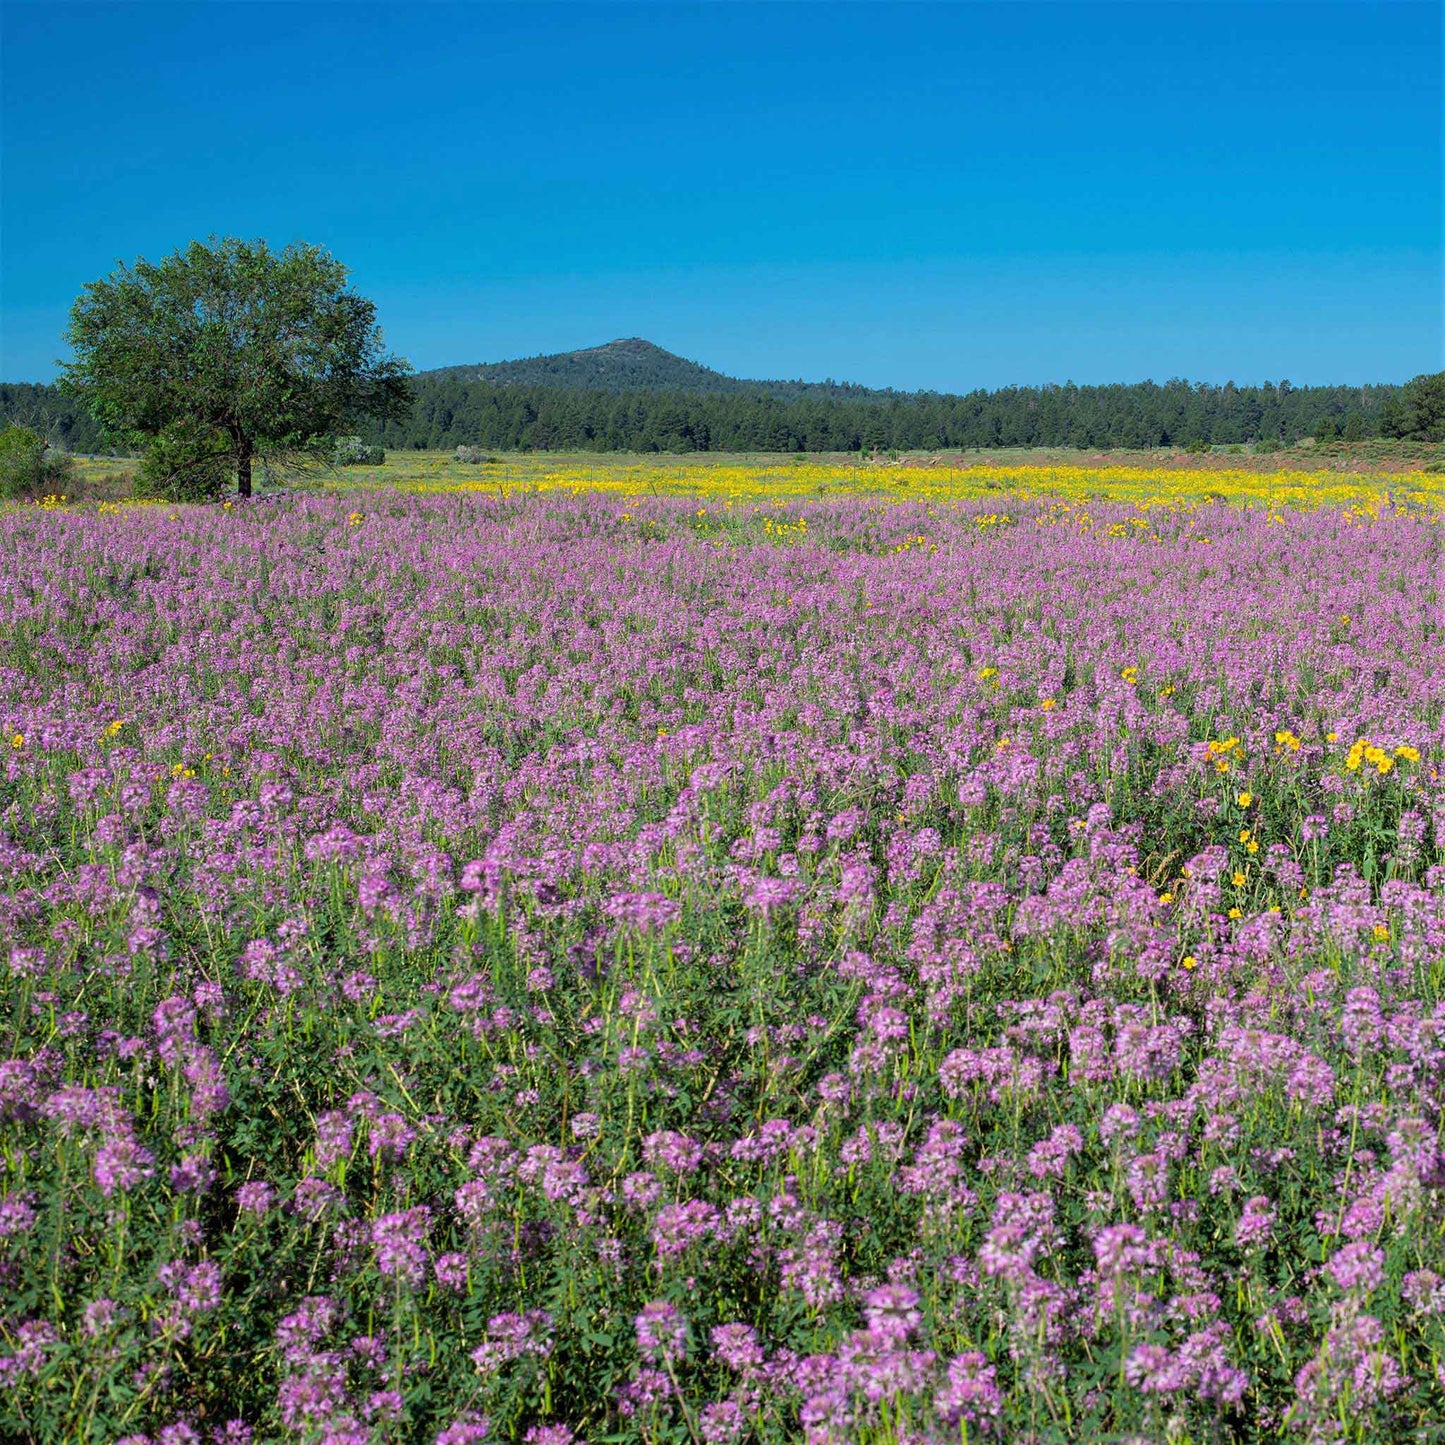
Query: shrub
29, 467
473, 456
185, 463
353, 452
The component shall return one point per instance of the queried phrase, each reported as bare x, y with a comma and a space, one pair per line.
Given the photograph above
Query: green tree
270, 350
1423, 399
1394, 417
187, 462
28, 465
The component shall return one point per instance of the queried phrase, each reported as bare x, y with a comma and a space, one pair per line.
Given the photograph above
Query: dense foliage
448, 411
64, 422
558, 967
29, 466
231, 347
187, 461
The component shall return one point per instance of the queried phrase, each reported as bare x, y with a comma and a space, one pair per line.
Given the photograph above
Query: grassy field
1304, 478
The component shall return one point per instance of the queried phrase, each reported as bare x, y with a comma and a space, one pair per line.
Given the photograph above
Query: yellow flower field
724, 480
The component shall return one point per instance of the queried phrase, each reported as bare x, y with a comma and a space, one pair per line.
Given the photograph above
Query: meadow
720, 953
1305, 477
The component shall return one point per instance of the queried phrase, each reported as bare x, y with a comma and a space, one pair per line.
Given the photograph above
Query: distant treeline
61, 421
451, 412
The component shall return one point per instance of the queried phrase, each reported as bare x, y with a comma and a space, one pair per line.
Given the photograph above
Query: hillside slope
632, 364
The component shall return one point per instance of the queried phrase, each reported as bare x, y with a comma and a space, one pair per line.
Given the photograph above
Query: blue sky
916, 195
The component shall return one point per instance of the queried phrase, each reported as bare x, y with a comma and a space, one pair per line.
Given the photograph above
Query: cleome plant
563, 965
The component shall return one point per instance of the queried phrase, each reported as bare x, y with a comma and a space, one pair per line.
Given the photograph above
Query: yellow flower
354, 518
1047, 704
1332, 737
1235, 913
987, 673
1383, 765
1287, 739
1130, 674
1238, 880
1244, 800
662, 732
1188, 961
1221, 765
1244, 835
1380, 933
17, 741
1166, 898
1251, 846
1410, 755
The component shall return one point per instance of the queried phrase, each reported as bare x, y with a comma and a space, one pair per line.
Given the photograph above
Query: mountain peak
627, 346
632, 363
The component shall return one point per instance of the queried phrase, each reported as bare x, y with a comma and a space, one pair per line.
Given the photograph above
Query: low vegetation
552, 965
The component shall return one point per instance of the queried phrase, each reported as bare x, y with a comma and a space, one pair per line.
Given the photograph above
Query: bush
353, 452
473, 456
28, 465
185, 463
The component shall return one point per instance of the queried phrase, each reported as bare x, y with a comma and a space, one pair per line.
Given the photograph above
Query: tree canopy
449, 411
1419, 412
231, 350
446, 409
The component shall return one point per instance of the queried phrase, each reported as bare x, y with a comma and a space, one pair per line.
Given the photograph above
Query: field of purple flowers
516, 968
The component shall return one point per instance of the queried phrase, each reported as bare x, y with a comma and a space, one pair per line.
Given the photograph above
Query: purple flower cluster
494, 969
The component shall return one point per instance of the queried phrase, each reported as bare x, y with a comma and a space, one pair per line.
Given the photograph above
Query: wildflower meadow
581, 964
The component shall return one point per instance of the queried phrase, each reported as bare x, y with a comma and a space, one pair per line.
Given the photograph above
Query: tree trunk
243, 473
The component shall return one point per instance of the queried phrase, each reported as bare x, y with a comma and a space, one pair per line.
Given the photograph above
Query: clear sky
916, 195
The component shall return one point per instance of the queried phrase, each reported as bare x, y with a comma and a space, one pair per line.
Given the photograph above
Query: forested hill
451, 412
633, 364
